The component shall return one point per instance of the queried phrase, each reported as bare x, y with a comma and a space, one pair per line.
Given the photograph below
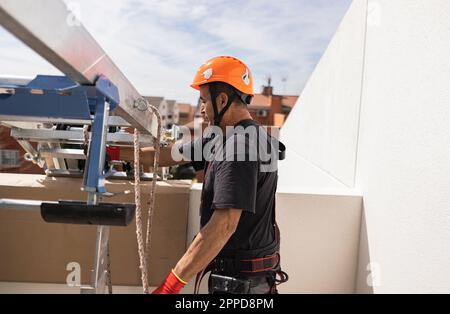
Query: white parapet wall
319, 240
375, 116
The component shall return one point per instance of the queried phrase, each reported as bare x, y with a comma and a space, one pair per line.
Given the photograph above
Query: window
9, 158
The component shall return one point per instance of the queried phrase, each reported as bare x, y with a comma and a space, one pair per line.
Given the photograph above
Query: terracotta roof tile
260, 101
289, 101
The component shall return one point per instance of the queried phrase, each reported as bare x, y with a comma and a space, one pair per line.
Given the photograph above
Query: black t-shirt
242, 180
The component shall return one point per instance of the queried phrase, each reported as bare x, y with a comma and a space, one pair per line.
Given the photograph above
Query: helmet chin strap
218, 116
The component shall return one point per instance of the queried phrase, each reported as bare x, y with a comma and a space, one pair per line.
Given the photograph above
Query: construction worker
239, 240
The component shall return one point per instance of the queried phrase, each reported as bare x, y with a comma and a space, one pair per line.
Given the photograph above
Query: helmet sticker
208, 73
246, 77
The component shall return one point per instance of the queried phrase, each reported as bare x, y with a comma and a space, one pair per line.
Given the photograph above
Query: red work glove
172, 285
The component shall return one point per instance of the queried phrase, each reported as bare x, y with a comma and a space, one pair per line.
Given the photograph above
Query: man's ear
222, 100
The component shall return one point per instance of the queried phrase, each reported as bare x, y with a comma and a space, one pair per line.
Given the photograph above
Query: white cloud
159, 44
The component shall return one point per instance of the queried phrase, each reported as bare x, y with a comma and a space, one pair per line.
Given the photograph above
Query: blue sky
159, 44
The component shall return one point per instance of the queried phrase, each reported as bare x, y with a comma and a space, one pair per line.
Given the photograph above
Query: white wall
389, 132
404, 150
312, 176
193, 228
319, 241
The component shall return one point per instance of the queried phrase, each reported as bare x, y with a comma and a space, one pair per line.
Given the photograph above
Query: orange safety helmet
228, 70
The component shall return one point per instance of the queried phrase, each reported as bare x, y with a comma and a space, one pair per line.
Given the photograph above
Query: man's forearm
147, 156
205, 247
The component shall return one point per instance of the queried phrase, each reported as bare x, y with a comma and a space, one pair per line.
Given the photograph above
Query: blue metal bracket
94, 176
109, 90
57, 98
45, 98
52, 98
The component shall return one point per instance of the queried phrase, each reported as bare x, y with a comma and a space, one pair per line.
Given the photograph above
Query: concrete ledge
34, 251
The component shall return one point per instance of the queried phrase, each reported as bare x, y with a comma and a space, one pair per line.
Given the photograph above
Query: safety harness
249, 262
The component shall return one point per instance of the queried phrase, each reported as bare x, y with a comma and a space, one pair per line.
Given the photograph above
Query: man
239, 240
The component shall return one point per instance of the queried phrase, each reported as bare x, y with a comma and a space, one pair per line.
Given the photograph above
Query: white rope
144, 247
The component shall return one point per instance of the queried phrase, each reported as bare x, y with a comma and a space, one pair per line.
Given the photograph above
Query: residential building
186, 113
270, 109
